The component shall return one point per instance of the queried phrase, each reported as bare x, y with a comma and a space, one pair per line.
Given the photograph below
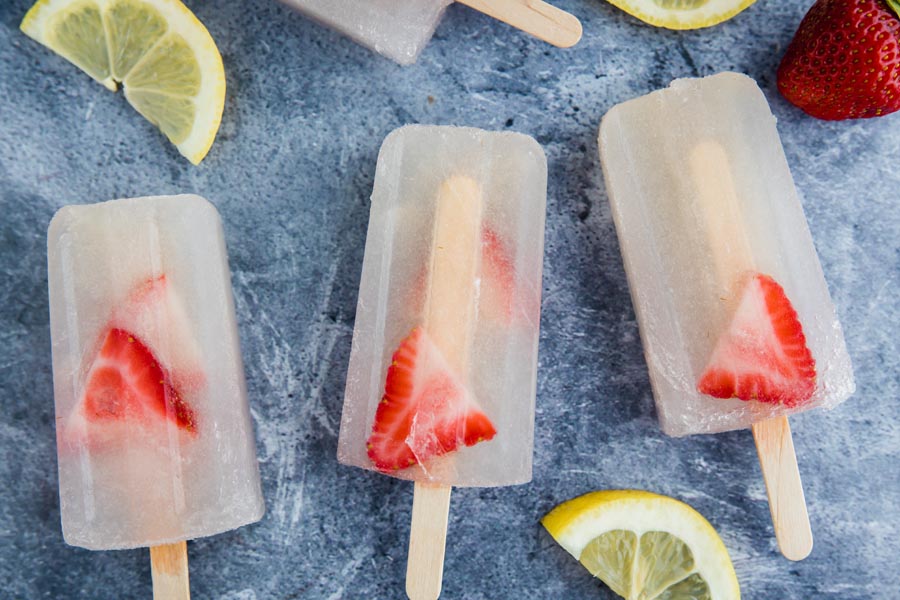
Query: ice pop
400, 30
735, 316
441, 382
154, 435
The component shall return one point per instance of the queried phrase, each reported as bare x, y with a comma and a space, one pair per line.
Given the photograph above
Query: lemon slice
682, 14
645, 546
165, 59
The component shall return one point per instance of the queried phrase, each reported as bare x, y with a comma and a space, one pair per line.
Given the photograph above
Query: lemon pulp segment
79, 36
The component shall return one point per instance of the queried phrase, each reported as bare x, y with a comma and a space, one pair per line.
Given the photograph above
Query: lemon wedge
645, 546
165, 59
682, 14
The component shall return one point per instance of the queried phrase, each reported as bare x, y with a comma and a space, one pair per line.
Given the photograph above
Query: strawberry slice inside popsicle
426, 410
763, 354
126, 381
144, 372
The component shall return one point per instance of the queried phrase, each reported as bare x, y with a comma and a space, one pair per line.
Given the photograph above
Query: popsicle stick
427, 541
455, 256
787, 503
717, 197
544, 21
169, 569
449, 317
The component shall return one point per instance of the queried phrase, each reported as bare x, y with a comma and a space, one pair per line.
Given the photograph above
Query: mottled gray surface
291, 172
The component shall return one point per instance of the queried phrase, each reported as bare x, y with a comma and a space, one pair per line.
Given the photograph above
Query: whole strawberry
844, 61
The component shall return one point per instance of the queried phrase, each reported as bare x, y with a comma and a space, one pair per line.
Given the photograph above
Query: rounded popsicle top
187, 204
729, 81
445, 135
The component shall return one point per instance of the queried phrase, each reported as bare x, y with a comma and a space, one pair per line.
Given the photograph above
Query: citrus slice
645, 546
165, 59
682, 14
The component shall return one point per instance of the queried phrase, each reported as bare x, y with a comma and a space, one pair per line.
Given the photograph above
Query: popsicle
736, 320
154, 436
442, 375
400, 30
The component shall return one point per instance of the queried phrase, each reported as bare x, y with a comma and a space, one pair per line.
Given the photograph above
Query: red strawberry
844, 61
763, 354
127, 382
426, 410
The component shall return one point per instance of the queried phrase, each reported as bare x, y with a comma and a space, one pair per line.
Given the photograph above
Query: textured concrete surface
291, 172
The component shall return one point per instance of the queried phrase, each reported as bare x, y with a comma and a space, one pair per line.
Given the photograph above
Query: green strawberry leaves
895, 6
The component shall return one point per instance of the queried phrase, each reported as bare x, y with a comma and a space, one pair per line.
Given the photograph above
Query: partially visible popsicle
737, 323
154, 435
400, 30
442, 375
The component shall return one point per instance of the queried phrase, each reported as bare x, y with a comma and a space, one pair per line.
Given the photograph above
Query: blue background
291, 172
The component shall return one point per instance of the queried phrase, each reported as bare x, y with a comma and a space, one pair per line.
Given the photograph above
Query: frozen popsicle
400, 30
154, 436
441, 382
735, 316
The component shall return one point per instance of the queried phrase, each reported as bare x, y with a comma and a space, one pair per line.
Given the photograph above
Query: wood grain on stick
169, 570
782, 476
449, 322
544, 21
427, 541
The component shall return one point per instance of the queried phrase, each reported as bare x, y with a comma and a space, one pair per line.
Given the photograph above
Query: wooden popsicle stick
449, 317
787, 503
169, 570
544, 21
427, 541
717, 197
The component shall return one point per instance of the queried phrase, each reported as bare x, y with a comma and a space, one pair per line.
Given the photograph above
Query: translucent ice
701, 195
154, 434
420, 170
398, 30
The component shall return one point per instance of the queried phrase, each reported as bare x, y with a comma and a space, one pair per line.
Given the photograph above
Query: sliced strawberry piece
127, 382
763, 354
426, 410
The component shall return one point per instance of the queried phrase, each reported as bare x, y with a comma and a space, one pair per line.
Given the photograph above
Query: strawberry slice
763, 354
426, 410
127, 382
